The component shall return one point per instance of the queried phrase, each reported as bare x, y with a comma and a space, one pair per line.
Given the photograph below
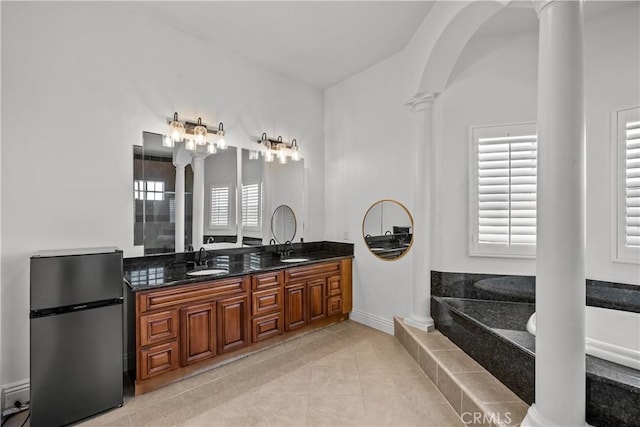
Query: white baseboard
15, 391
372, 320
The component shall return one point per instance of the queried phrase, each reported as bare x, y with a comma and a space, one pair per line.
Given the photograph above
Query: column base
535, 419
424, 323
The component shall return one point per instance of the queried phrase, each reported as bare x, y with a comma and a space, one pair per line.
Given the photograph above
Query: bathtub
612, 335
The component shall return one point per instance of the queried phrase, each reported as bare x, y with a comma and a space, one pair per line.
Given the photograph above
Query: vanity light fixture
194, 135
272, 148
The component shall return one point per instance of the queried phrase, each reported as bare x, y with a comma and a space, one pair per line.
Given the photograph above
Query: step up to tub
476, 395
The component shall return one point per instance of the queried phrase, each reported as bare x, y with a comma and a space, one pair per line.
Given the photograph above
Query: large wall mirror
387, 229
241, 194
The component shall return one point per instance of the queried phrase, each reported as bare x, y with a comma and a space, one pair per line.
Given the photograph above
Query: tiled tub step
478, 397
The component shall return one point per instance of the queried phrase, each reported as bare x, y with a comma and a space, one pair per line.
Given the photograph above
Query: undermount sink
209, 272
294, 259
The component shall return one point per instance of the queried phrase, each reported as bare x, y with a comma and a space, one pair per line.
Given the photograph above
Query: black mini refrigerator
76, 332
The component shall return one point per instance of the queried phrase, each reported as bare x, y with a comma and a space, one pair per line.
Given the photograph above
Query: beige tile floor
344, 375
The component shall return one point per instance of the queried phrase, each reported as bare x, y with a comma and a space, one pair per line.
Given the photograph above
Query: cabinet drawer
152, 300
333, 285
158, 359
158, 327
310, 271
266, 326
266, 301
267, 280
334, 305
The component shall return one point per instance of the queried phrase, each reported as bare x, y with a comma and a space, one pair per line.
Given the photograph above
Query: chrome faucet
202, 256
272, 241
210, 239
285, 251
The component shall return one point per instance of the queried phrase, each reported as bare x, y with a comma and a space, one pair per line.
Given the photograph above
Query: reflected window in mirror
219, 215
387, 229
252, 206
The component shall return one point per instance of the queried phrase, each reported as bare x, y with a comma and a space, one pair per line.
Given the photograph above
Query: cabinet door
267, 301
232, 323
158, 327
158, 359
266, 326
334, 305
316, 294
198, 333
294, 306
333, 285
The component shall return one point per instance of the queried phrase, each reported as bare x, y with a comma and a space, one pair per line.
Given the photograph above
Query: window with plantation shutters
627, 143
219, 215
252, 206
503, 189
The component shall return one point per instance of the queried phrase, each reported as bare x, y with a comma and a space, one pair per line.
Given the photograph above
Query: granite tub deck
493, 334
478, 397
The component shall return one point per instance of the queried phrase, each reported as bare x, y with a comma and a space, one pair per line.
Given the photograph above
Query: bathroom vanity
186, 324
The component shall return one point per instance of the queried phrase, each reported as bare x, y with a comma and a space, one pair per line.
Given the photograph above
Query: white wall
369, 156
81, 81
369, 150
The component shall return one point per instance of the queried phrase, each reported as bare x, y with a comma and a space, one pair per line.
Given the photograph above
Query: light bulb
222, 143
176, 129
200, 133
211, 148
190, 144
167, 141
268, 156
253, 155
295, 156
282, 155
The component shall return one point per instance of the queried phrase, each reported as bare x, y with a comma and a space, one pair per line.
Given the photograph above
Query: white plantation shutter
503, 184
219, 215
632, 184
627, 154
252, 205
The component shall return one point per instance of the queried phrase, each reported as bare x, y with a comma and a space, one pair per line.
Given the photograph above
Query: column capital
540, 5
422, 101
199, 155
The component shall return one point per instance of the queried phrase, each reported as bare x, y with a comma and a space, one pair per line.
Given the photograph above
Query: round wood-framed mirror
387, 229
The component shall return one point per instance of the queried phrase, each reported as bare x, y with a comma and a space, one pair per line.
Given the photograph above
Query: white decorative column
421, 309
560, 270
179, 214
197, 226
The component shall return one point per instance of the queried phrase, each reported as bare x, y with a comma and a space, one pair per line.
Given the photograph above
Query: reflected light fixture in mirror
387, 229
194, 135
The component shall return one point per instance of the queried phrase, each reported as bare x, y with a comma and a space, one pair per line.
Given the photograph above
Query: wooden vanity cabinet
313, 293
182, 330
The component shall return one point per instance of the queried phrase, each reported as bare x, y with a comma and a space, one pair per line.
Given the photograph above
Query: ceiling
324, 42
317, 42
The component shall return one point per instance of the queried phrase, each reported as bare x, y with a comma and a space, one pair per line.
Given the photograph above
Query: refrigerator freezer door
76, 365
58, 281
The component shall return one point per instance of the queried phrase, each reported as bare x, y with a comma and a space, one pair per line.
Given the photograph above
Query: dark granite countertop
160, 271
